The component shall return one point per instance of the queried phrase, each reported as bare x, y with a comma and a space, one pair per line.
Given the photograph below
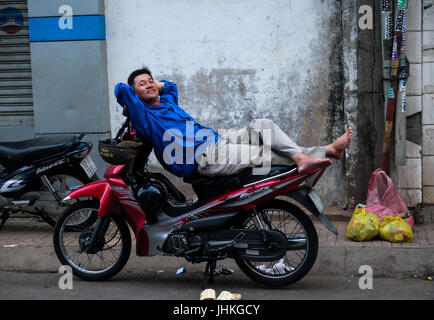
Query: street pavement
157, 285
30, 269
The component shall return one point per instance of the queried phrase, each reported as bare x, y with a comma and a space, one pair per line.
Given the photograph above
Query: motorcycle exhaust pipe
296, 244
14, 204
19, 204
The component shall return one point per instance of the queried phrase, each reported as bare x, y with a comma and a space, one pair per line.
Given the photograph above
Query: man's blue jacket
176, 137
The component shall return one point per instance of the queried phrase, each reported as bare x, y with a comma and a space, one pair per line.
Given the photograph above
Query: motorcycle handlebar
122, 129
125, 112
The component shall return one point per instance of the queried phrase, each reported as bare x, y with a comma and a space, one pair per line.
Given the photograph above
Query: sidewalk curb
26, 246
387, 262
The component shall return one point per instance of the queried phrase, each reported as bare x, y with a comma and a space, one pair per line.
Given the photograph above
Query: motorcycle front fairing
113, 196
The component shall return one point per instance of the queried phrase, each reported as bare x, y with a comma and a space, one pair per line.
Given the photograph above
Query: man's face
146, 88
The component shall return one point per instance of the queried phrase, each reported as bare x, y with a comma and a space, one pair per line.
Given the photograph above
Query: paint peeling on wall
218, 97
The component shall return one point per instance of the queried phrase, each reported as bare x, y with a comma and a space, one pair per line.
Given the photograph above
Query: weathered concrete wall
368, 116
238, 60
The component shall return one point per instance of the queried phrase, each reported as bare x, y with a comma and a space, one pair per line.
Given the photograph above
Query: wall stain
220, 97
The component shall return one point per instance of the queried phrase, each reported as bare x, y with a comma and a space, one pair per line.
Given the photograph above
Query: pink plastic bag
383, 197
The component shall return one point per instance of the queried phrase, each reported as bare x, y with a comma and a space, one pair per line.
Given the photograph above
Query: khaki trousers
259, 145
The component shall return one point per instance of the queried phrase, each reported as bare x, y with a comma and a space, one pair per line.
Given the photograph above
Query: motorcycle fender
100, 190
304, 198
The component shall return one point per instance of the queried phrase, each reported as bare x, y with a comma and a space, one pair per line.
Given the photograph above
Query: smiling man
155, 114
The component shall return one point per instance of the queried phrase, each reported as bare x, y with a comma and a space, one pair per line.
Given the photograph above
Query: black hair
137, 72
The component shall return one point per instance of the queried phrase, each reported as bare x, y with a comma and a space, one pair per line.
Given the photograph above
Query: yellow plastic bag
363, 225
395, 229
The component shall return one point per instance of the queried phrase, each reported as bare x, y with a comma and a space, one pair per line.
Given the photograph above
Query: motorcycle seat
207, 187
18, 153
236, 180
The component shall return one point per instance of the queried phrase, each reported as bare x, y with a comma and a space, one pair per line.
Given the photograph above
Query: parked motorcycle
37, 174
273, 241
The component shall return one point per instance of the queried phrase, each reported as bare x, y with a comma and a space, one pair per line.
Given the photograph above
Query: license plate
316, 201
88, 166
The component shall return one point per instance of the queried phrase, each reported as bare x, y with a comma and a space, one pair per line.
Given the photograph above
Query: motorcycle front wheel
302, 243
63, 182
112, 253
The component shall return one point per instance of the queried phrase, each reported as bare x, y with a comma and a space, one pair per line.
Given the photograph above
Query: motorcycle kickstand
209, 273
4, 217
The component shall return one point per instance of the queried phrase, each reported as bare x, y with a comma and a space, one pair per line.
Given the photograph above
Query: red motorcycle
273, 241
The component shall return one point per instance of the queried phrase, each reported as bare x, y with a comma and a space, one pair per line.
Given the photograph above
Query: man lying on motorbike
155, 114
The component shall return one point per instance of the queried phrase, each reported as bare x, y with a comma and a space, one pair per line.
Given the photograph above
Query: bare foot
337, 148
307, 164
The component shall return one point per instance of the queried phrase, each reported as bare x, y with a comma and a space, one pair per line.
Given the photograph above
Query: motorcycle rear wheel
105, 263
294, 223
